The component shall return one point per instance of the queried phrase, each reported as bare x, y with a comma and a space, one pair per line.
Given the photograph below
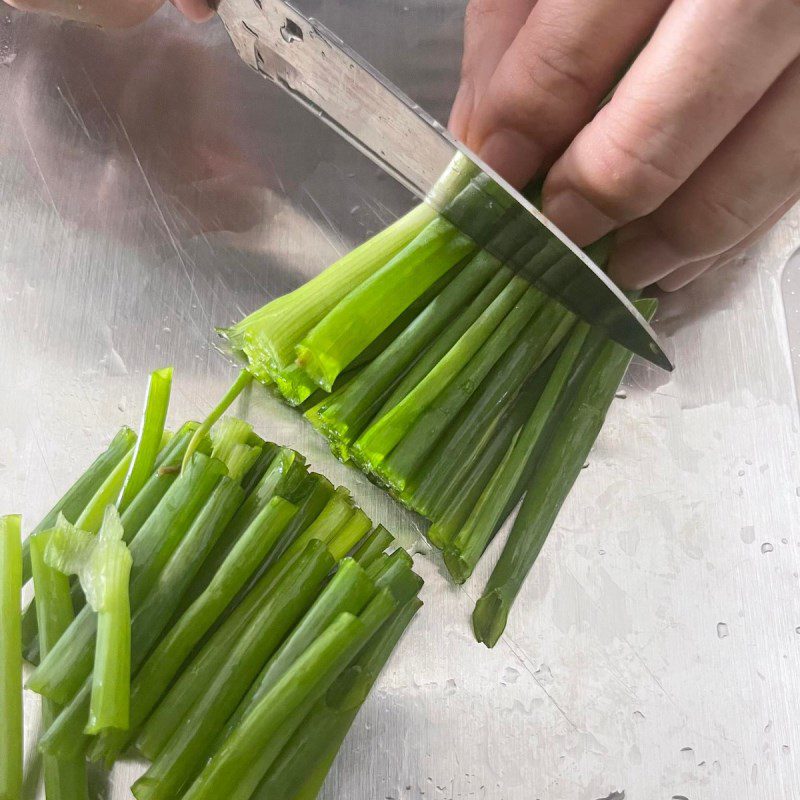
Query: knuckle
726, 218
626, 177
478, 10
561, 71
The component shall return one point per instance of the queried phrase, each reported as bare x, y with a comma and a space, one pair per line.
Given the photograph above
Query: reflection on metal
361, 104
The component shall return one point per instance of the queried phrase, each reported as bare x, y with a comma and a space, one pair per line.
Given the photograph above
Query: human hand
694, 157
113, 13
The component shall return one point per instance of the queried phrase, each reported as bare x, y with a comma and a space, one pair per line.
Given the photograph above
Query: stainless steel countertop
150, 188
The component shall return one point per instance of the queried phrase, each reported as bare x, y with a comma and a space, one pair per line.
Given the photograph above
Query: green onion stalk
102, 564
10, 658
64, 778
215, 698
218, 585
302, 765
243, 760
570, 441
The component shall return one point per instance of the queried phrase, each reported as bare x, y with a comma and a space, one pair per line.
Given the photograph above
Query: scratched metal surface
150, 188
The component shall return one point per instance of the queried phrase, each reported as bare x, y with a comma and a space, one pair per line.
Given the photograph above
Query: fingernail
577, 217
512, 154
642, 257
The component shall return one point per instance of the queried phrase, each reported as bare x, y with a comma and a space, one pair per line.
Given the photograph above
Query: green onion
373, 546
349, 591
438, 349
102, 564
240, 764
268, 337
78, 495
64, 779
164, 663
569, 445
439, 478
106, 589
164, 475
208, 662
300, 769
350, 534
189, 745
148, 443
457, 504
382, 436
462, 554
212, 586
61, 673
242, 382
267, 727
552, 322
372, 306
157, 608
10, 658
346, 413
285, 471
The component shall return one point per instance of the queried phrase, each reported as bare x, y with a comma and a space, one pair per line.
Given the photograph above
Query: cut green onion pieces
238, 386
103, 565
150, 433
10, 658
64, 778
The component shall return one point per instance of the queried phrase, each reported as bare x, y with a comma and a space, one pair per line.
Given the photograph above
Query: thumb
195, 10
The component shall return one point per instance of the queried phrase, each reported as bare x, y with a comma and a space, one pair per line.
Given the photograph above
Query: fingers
754, 172
550, 80
705, 67
195, 10
686, 274
489, 28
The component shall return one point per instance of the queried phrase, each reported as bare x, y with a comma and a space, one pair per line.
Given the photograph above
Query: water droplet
123, 403
741, 473
767, 727
621, 395
510, 675
450, 686
722, 630
797, 629
637, 715
767, 547
784, 541
785, 748
748, 534
679, 797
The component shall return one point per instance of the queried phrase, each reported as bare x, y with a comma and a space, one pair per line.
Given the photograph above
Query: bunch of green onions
204, 598
426, 359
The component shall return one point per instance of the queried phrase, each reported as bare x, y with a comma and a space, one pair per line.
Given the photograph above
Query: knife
312, 64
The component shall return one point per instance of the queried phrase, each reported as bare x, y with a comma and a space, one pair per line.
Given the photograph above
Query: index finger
489, 28
705, 67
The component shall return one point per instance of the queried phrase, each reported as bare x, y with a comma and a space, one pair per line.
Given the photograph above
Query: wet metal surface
655, 651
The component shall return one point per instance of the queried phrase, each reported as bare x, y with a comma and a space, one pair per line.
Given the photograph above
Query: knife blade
311, 63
